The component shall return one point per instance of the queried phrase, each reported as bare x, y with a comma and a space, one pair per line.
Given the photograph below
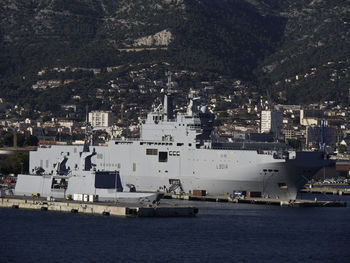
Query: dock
290, 203
206, 198
257, 200
326, 190
105, 209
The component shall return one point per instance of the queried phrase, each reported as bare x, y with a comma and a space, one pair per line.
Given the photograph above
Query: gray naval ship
83, 183
178, 153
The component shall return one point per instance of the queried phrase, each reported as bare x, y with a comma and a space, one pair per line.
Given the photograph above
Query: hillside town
241, 113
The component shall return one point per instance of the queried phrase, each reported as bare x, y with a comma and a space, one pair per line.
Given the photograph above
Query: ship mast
87, 132
168, 100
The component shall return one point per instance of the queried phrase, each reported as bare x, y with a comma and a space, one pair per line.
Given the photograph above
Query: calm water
220, 233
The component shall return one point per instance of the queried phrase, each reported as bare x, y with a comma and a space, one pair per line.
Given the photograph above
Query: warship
81, 184
178, 152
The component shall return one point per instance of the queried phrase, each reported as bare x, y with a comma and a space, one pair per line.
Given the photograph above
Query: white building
101, 118
28, 121
271, 121
66, 124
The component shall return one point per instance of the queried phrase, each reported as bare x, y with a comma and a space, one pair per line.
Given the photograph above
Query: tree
7, 140
31, 140
341, 148
15, 163
294, 143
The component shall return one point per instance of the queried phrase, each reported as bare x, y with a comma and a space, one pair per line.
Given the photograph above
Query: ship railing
261, 148
130, 140
58, 190
126, 139
44, 146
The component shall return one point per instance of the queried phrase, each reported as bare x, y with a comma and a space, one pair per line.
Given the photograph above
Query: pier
206, 198
257, 200
291, 203
326, 190
105, 209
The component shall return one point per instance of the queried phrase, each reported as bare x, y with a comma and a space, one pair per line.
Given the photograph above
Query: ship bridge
195, 126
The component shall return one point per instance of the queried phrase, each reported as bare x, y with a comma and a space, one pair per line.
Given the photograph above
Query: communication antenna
169, 83
204, 106
87, 130
204, 97
86, 120
323, 141
168, 101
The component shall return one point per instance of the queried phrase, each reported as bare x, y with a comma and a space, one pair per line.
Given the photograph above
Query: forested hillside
299, 49
312, 63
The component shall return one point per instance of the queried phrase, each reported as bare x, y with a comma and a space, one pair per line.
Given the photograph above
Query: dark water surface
220, 233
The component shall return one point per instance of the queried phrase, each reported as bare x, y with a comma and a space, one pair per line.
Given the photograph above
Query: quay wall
94, 209
98, 208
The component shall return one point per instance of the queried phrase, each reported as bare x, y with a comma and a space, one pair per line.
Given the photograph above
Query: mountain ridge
275, 45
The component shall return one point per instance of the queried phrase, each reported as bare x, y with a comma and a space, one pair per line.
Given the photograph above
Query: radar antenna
168, 107
169, 84
323, 137
204, 106
88, 135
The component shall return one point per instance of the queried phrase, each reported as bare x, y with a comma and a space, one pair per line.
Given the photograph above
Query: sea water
221, 232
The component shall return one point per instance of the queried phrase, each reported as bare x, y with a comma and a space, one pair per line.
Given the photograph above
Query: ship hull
154, 166
27, 185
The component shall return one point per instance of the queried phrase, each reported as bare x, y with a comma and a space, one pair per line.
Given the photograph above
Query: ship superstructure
83, 181
178, 153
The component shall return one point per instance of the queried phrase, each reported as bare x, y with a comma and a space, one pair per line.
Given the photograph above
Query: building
289, 134
101, 118
311, 117
68, 107
314, 135
271, 122
67, 124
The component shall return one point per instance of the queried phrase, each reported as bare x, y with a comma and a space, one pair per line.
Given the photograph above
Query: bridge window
151, 151
163, 157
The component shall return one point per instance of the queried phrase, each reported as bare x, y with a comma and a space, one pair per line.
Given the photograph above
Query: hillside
313, 62
297, 49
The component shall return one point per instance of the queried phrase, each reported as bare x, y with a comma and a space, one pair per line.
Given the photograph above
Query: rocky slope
298, 49
313, 61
